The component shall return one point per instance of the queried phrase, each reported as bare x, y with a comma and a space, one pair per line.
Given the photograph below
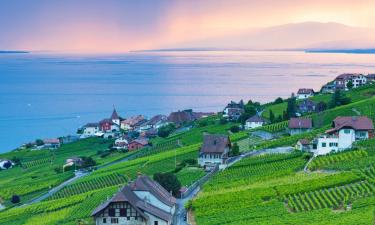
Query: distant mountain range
297, 36
12, 52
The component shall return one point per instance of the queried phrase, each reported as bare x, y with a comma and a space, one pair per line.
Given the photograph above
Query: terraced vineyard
322, 161
113, 179
335, 198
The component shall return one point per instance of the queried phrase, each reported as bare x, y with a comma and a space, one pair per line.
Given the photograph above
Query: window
346, 131
156, 222
332, 144
104, 220
111, 212
324, 144
114, 220
123, 212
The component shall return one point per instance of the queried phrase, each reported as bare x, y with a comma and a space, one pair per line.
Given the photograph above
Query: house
52, 143
345, 131
90, 129
357, 80
107, 125
181, 117
304, 93
234, 110
303, 145
155, 122
299, 125
121, 143
74, 161
6, 164
141, 202
214, 150
306, 106
254, 121
129, 124
328, 88
137, 144
370, 78
153, 132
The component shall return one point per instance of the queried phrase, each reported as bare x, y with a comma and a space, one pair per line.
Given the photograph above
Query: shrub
169, 181
235, 129
15, 199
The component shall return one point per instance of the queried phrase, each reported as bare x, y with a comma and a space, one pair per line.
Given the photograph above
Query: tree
272, 117
15, 199
235, 129
321, 106
7, 165
168, 181
235, 150
350, 84
338, 98
87, 162
39, 142
291, 108
165, 131
278, 101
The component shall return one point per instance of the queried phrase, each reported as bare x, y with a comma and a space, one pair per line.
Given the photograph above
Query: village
145, 201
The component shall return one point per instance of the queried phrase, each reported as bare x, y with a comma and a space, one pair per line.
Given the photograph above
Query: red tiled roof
51, 141
295, 123
304, 141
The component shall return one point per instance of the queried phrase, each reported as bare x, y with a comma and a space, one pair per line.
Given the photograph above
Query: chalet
328, 88
52, 143
214, 150
345, 131
299, 125
303, 145
234, 110
137, 144
74, 161
130, 123
141, 202
306, 106
357, 80
90, 129
304, 93
254, 121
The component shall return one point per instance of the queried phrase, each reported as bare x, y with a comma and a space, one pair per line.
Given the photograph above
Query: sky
124, 25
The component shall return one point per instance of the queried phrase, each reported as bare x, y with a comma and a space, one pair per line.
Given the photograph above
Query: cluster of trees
168, 181
165, 131
235, 150
251, 109
338, 98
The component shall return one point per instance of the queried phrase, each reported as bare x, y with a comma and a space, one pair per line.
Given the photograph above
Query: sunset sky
120, 25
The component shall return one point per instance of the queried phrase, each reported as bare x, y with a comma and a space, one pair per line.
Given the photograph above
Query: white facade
344, 140
90, 131
359, 81
116, 121
211, 159
154, 201
304, 96
251, 125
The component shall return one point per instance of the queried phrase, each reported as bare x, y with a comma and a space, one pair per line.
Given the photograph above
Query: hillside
265, 189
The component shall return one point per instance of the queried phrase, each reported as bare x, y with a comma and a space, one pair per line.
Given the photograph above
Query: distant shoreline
14, 52
347, 51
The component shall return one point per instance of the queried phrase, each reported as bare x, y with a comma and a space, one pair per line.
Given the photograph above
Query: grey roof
144, 183
255, 118
215, 143
300, 123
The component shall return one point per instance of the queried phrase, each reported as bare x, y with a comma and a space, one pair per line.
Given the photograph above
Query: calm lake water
44, 95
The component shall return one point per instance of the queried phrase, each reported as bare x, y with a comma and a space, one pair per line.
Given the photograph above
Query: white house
304, 93
214, 150
345, 131
254, 121
90, 129
141, 202
357, 80
121, 143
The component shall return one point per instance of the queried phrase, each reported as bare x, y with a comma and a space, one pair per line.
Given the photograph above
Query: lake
50, 95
